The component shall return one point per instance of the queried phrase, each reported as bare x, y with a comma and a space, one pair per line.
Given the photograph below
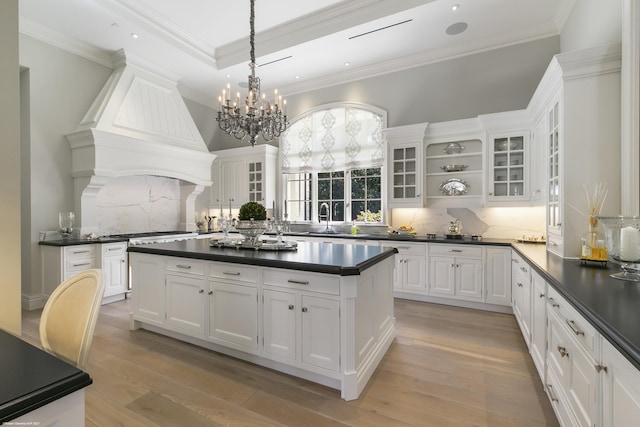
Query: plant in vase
251, 222
593, 246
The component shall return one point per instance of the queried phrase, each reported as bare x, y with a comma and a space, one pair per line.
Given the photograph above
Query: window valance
334, 138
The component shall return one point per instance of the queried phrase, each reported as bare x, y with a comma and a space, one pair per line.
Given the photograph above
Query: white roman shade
333, 138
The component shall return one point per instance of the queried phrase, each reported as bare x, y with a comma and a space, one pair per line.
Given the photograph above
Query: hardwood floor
448, 366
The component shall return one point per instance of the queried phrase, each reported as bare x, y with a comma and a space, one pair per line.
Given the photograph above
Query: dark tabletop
340, 259
612, 306
31, 378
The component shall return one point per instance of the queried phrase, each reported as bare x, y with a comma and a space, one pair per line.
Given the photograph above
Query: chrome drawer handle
554, 303
600, 368
574, 328
81, 264
231, 273
113, 249
552, 395
563, 351
406, 248
299, 282
183, 266
455, 250
81, 252
523, 269
515, 260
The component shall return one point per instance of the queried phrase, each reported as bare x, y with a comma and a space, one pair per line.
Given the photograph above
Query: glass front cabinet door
405, 164
508, 167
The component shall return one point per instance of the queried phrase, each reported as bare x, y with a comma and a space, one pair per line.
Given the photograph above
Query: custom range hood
138, 125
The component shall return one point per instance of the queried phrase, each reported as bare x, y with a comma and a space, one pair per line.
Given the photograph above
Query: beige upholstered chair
69, 317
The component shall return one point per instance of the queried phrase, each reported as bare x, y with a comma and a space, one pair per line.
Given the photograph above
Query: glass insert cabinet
405, 178
508, 172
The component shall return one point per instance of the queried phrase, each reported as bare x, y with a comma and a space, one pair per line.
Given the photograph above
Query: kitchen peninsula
323, 312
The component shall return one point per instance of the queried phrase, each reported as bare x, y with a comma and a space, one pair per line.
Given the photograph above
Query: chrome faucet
326, 216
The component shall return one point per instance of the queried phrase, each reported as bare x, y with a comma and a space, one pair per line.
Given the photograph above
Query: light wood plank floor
447, 367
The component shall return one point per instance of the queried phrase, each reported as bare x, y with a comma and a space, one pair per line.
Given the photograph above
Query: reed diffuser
593, 247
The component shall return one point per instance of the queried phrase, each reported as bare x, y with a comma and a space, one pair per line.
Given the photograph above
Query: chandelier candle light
261, 117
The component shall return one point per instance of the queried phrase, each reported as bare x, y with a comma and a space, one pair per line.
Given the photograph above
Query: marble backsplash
136, 204
498, 223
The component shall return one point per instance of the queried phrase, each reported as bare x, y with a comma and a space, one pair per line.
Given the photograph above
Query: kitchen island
323, 312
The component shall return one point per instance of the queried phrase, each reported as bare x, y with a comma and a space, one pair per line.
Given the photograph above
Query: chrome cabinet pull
519, 284
231, 273
601, 368
81, 264
552, 395
305, 309
541, 295
299, 282
291, 307
574, 328
81, 252
183, 266
523, 269
201, 291
563, 351
516, 260
455, 250
210, 292
554, 303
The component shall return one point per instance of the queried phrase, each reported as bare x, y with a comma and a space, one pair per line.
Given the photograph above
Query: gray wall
61, 88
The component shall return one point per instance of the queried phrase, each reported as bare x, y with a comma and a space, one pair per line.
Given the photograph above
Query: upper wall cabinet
576, 108
454, 164
245, 174
405, 165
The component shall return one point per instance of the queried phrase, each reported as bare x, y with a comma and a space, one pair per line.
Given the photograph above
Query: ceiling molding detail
163, 28
69, 44
325, 22
566, 6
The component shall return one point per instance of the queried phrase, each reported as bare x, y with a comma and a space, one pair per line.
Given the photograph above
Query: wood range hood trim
137, 125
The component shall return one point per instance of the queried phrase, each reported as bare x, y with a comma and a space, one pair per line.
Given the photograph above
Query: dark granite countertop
77, 241
31, 378
340, 259
612, 306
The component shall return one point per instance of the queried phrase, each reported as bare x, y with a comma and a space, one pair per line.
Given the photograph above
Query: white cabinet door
468, 280
233, 315
279, 323
538, 323
442, 275
116, 268
185, 304
508, 176
620, 389
498, 276
148, 287
321, 332
522, 306
235, 187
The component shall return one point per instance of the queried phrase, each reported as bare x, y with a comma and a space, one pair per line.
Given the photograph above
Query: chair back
69, 317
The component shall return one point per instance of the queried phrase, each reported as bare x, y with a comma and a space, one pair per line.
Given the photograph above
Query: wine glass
65, 223
622, 234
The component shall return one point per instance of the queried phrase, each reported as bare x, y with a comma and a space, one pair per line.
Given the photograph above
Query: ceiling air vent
380, 29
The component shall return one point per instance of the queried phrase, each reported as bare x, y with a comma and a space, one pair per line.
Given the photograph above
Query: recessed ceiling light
347, 64
228, 76
455, 7
134, 35
297, 77
457, 28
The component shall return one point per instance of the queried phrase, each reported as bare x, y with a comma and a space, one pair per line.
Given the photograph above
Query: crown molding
163, 28
71, 45
420, 59
312, 26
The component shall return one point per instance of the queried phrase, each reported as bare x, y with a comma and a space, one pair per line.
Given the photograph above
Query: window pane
324, 190
373, 188
356, 208
338, 211
337, 189
358, 188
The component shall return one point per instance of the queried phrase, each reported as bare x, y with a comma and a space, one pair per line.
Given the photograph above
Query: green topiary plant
252, 210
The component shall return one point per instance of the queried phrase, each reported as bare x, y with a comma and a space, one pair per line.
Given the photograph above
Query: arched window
332, 157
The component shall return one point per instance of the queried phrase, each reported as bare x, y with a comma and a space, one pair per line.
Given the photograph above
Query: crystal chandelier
260, 117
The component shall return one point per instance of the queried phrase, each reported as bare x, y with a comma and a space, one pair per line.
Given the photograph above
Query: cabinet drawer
303, 281
79, 264
114, 248
236, 272
456, 250
409, 248
184, 265
80, 252
575, 323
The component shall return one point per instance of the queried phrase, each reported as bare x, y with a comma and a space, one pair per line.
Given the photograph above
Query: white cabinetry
246, 174
508, 178
58, 263
579, 88
115, 266
406, 180
301, 318
233, 306
185, 296
620, 389
538, 323
498, 276
456, 271
573, 348
410, 268
521, 292
148, 277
